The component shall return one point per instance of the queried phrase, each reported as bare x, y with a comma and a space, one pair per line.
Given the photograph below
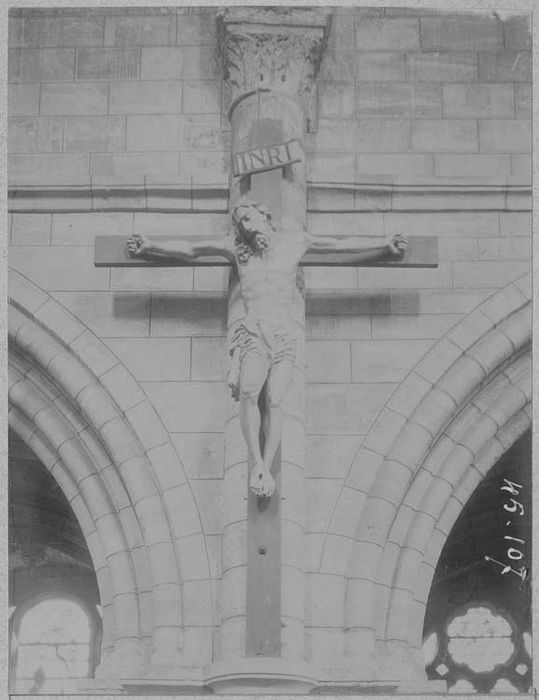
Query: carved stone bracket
277, 48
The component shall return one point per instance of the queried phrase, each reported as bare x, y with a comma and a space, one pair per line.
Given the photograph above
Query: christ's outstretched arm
366, 249
180, 248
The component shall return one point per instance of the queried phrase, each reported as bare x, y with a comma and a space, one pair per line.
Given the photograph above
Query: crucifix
270, 61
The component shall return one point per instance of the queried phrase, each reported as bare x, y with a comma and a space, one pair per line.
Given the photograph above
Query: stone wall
133, 93
122, 97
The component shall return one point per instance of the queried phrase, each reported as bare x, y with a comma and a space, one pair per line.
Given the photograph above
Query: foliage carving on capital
268, 48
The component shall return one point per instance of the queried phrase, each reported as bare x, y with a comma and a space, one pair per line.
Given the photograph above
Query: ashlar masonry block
457, 249
197, 603
145, 278
206, 167
435, 301
389, 99
522, 165
210, 279
342, 35
517, 31
113, 315
505, 135
325, 594
134, 167
108, 63
487, 165
208, 495
41, 64
478, 100
195, 29
514, 248
189, 406
501, 66
331, 168
488, 273
174, 132
323, 495
412, 327
48, 169
209, 359
80, 229
193, 560
201, 96
174, 315
335, 99
523, 100
165, 465
145, 97
74, 98
347, 512
140, 31
376, 32
184, 516
393, 164
235, 545
31, 229
344, 409
380, 65
441, 65
391, 481
59, 269
384, 278
334, 453
364, 135
446, 224
85, 30
515, 224
94, 133
328, 361
462, 32
444, 135
338, 65
385, 360
336, 554
187, 62
23, 98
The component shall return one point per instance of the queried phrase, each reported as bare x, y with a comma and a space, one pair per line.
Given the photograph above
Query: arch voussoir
99, 424
458, 399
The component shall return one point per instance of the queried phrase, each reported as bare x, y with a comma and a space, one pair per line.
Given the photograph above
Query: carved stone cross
271, 57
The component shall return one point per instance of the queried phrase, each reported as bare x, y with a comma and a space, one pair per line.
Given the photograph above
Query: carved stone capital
275, 48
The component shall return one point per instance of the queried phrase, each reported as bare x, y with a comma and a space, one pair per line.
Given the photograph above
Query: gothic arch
86, 418
462, 406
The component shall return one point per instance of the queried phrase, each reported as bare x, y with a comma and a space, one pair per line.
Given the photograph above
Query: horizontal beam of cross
111, 251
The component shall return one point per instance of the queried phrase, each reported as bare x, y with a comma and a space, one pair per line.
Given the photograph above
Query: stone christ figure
264, 345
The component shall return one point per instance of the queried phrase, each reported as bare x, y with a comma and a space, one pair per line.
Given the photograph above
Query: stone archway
464, 404
88, 421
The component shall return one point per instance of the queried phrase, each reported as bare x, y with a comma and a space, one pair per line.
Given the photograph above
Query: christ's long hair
247, 243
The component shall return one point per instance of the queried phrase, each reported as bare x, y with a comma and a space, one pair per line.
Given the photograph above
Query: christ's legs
278, 381
252, 377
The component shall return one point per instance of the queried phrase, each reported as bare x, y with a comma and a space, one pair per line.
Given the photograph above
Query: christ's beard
260, 241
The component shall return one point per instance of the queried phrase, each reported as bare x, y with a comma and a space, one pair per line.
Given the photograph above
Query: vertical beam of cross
263, 590
263, 605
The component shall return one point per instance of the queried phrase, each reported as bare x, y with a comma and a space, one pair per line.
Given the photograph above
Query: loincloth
275, 340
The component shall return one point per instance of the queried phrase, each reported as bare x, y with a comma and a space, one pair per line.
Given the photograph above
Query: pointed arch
84, 415
462, 406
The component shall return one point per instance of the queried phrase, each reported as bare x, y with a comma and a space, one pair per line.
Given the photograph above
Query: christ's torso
268, 281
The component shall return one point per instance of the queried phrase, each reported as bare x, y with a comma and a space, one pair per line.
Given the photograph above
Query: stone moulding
376, 194
475, 404
84, 415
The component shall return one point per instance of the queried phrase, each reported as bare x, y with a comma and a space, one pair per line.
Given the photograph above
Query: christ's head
253, 226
